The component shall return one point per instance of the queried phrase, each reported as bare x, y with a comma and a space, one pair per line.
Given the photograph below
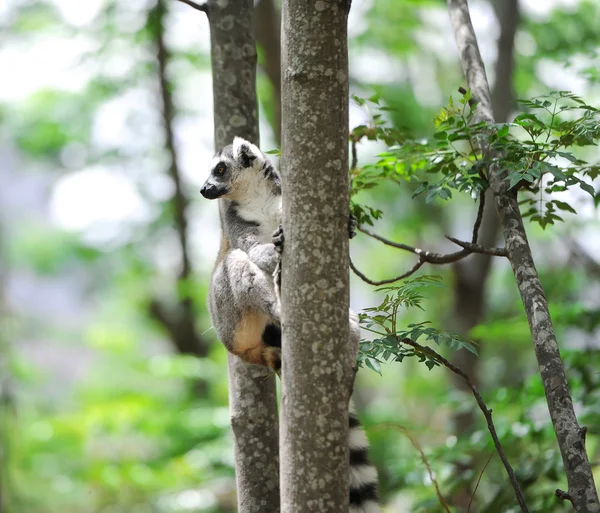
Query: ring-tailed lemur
243, 301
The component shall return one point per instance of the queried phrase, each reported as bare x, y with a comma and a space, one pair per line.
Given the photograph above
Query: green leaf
587, 188
561, 205
374, 365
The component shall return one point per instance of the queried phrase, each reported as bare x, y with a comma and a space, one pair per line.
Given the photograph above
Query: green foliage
382, 320
139, 440
536, 155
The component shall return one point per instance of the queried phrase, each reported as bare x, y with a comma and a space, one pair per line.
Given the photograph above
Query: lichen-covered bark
252, 397
470, 285
317, 361
571, 437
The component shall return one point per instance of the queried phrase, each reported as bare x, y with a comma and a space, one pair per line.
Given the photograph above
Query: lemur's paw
352, 225
278, 239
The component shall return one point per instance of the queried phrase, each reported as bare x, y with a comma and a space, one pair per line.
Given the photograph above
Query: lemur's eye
220, 169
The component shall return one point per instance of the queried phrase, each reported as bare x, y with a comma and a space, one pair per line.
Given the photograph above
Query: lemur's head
233, 169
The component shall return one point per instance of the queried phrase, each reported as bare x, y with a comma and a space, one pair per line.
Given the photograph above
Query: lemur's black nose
211, 191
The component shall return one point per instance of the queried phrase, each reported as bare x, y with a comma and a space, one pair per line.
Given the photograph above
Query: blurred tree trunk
252, 397
570, 436
179, 321
470, 291
471, 275
317, 361
267, 27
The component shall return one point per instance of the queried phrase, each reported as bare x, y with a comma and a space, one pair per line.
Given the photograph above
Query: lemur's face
231, 168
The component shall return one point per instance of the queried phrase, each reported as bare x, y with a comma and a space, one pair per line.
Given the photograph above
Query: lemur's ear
246, 152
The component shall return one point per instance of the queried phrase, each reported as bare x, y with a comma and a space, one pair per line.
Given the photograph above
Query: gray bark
471, 275
252, 397
317, 361
570, 436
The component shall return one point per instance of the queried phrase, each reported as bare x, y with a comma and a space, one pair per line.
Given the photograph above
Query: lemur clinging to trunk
243, 300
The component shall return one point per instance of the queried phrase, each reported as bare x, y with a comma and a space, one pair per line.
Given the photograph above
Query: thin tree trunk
471, 275
317, 361
267, 25
252, 397
571, 437
179, 322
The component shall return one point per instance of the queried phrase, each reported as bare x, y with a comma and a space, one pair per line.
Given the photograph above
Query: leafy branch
532, 151
394, 344
487, 413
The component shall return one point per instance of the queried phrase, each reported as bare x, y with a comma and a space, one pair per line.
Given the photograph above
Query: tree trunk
252, 397
317, 361
571, 437
180, 322
471, 275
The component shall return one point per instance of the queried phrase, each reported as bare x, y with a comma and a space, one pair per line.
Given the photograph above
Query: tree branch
354, 163
582, 488
483, 407
479, 218
478, 248
427, 256
563, 496
415, 443
199, 7
413, 270
479, 481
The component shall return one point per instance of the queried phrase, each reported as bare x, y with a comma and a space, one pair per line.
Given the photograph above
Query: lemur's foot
352, 225
278, 239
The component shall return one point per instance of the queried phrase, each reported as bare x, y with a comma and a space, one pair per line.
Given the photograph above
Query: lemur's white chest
263, 207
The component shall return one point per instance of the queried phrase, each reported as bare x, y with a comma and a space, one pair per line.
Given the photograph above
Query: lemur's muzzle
212, 191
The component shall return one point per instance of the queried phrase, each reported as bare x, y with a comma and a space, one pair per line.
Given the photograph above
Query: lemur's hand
278, 239
352, 225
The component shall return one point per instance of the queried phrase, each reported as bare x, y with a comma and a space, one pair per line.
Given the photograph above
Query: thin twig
478, 248
427, 256
563, 496
354, 153
415, 443
199, 7
483, 407
479, 217
412, 270
479, 481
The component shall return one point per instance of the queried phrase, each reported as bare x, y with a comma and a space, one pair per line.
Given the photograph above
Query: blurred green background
113, 388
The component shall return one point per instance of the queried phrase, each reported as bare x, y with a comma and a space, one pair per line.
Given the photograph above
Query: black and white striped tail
363, 476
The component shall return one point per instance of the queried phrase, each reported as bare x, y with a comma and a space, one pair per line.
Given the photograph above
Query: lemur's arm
245, 235
262, 254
